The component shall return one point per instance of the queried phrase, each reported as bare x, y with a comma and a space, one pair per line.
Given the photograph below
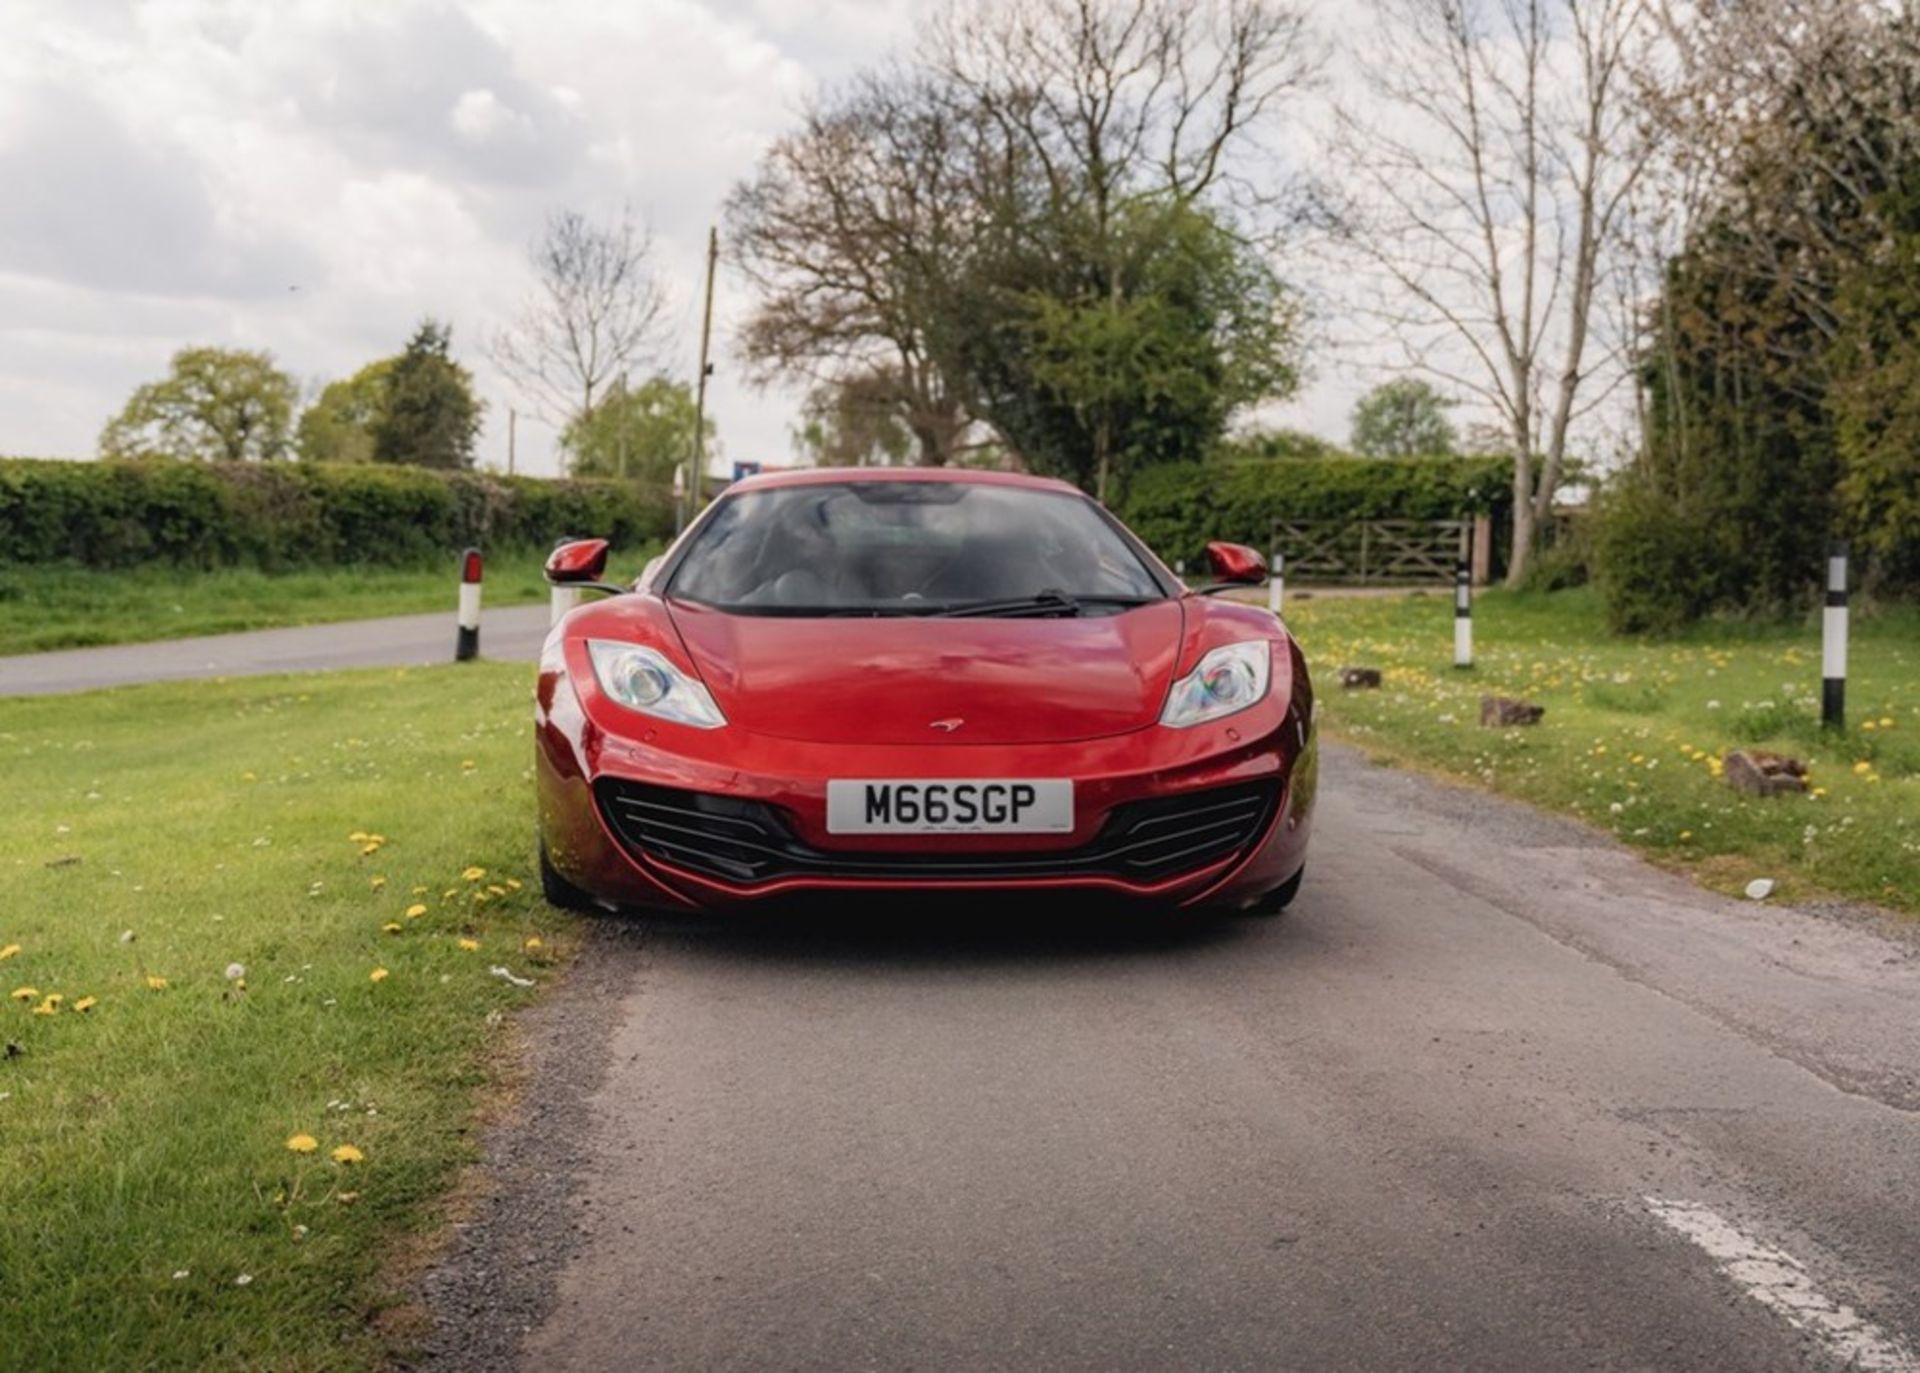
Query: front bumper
668, 819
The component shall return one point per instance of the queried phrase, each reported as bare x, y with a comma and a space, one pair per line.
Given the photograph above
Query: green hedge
278, 515
1179, 507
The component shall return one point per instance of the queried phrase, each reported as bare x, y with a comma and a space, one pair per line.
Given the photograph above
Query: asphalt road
1494, 1096
399, 641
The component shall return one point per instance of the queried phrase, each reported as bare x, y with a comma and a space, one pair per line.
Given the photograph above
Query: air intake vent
748, 842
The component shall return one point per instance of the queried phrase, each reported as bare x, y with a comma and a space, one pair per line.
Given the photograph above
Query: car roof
815, 476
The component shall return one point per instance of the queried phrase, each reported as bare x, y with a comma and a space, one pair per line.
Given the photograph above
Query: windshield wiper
1048, 602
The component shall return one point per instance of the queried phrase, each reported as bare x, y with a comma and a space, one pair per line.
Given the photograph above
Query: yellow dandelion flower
419, 891
54, 999
496, 889
346, 1153
391, 927
1860, 769
302, 1144
1866, 724
376, 838
474, 874
25, 993
470, 945
468, 763
368, 850
1886, 722
533, 944
86, 1003
513, 884
1685, 835
415, 911
346, 1198
9, 952
248, 777
377, 975
449, 893
1819, 791
46, 1008
158, 984
377, 883
357, 837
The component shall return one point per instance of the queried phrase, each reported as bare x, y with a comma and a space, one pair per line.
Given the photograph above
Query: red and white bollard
467, 645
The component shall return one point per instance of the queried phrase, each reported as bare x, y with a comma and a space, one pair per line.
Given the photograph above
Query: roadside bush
1179, 507
272, 516
1565, 560
1655, 562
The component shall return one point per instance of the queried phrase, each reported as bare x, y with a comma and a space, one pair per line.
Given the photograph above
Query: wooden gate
1373, 552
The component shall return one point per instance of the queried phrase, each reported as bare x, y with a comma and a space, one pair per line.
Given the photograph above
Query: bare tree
1110, 124
1109, 102
1487, 182
1786, 120
849, 229
595, 312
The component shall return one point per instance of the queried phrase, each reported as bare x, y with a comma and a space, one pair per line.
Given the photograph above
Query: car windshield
911, 548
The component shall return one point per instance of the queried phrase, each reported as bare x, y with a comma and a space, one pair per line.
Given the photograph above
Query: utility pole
620, 416
513, 423
698, 475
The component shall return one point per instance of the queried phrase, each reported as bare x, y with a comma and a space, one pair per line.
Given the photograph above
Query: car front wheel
558, 891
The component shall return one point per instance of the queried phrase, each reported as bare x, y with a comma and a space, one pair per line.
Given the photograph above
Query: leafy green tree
641, 433
1874, 397
431, 417
214, 404
338, 426
1403, 418
856, 421
1096, 353
1779, 372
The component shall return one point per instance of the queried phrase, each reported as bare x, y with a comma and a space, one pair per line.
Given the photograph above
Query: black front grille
749, 842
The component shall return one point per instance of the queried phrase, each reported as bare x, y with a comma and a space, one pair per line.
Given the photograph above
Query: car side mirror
1234, 564
577, 561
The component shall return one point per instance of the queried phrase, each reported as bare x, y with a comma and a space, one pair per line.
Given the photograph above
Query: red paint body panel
811, 700
881, 680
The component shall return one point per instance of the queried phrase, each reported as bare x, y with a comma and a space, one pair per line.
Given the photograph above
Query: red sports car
897, 680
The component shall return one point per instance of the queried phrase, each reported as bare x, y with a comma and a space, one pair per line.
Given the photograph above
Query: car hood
899, 680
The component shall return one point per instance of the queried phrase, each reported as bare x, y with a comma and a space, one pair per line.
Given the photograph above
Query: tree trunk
1524, 525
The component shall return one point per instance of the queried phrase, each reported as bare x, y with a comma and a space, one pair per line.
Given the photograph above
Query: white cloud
313, 176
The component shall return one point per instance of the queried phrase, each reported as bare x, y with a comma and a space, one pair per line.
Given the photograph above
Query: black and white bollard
1833, 641
467, 645
1276, 581
1462, 616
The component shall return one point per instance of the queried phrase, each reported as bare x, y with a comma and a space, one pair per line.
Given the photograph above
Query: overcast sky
313, 176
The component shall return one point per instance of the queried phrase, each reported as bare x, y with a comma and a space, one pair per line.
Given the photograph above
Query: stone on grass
1501, 712
1759, 773
1360, 678
1760, 888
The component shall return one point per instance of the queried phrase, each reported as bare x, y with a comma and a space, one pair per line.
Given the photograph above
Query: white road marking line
1776, 1279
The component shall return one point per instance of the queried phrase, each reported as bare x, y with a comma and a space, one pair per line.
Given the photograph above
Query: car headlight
1224, 682
643, 680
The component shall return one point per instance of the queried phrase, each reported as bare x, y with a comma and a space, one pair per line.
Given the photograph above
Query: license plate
992, 806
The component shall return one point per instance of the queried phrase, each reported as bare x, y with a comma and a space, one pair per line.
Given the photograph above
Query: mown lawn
361, 845
68, 607
1635, 731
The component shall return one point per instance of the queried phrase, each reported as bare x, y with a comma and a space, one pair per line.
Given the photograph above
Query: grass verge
1635, 731
360, 843
66, 607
